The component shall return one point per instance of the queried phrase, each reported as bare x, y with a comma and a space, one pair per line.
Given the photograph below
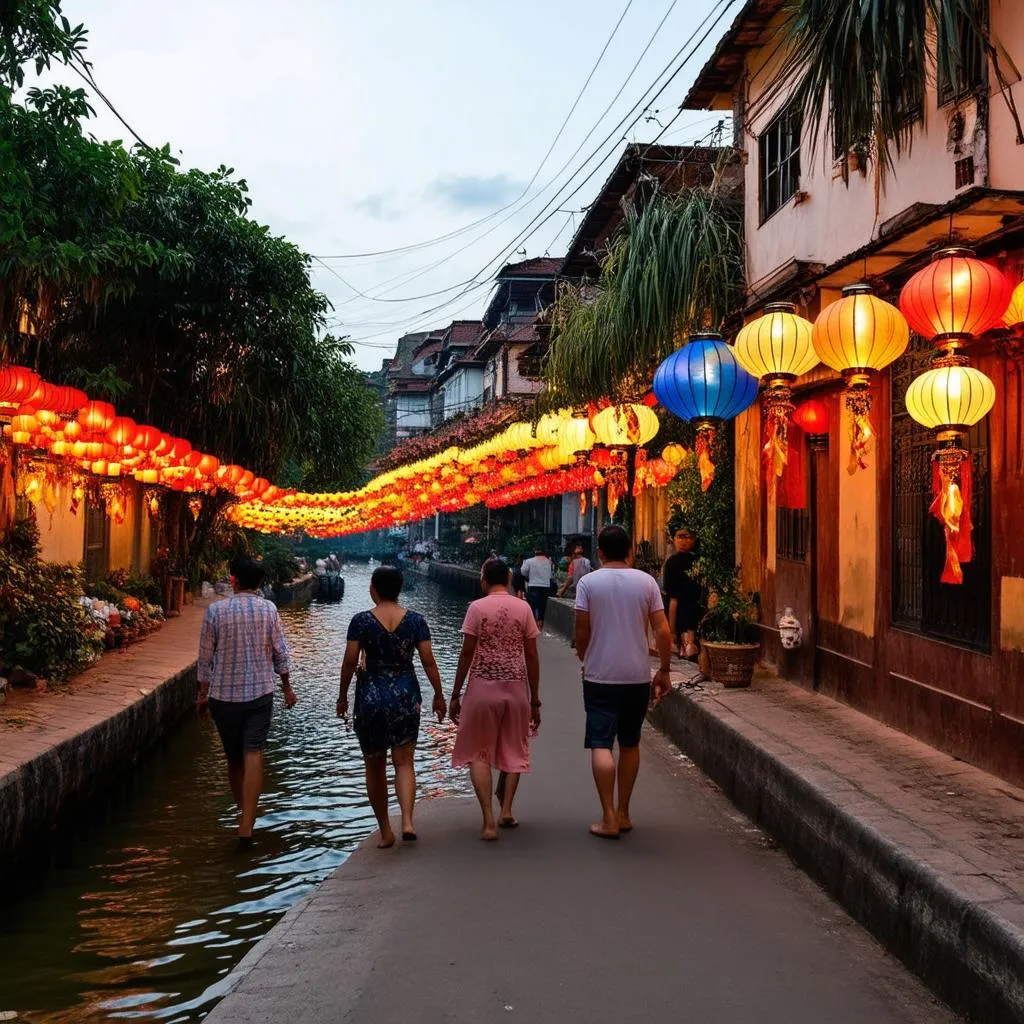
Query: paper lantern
954, 297
24, 425
1014, 315
777, 345
574, 439
858, 336
812, 417
673, 454
703, 382
122, 431
950, 398
17, 385
96, 416
624, 426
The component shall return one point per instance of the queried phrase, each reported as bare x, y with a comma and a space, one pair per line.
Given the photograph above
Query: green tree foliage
118, 265
861, 66
677, 267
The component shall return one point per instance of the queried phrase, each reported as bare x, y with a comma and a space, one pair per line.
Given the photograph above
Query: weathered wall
124, 536
1005, 149
62, 535
837, 216
462, 580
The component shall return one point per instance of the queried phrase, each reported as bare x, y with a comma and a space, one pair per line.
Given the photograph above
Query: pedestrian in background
502, 705
388, 698
241, 650
538, 572
615, 607
683, 593
579, 566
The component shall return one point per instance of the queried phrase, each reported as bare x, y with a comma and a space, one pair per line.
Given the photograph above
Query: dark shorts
243, 725
615, 711
537, 598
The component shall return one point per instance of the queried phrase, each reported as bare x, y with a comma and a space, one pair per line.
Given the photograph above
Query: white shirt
537, 571
620, 603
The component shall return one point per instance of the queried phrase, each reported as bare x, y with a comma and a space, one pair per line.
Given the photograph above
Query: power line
472, 282
529, 184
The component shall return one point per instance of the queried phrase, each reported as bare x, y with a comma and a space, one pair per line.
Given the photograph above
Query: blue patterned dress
387, 707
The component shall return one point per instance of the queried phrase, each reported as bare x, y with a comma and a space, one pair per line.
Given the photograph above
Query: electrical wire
529, 184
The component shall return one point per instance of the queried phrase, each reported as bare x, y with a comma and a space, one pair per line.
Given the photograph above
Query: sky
367, 125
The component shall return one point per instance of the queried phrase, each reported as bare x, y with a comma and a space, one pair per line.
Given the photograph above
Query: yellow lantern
777, 345
673, 454
623, 426
776, 348
858, 336
574, 438
950, 399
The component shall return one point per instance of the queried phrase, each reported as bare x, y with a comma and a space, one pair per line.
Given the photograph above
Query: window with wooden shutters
960, 614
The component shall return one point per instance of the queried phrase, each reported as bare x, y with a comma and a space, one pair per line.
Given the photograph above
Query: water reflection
142, 910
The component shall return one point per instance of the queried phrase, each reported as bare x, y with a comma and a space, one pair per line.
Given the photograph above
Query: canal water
140, 911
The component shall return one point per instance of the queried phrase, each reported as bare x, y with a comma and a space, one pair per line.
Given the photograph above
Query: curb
962, 949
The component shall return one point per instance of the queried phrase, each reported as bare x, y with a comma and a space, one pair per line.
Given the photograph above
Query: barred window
960, 614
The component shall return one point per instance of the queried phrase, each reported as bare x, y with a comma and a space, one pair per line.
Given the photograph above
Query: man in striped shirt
241, 649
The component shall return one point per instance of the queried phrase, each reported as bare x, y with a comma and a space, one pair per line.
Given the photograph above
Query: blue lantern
702, 382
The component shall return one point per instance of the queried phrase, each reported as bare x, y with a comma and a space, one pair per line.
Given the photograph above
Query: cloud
378, 206
473, 191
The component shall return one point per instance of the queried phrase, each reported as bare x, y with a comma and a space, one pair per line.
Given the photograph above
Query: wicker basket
731, 664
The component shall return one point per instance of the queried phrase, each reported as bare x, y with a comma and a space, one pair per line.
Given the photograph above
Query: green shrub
135, 584
43, 627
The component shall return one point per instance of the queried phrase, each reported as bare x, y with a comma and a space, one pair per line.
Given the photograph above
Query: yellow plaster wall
62, 535
122, 537
1011, 616
748, 499
857, 529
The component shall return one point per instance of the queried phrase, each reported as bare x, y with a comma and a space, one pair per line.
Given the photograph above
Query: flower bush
732, 612
43, 627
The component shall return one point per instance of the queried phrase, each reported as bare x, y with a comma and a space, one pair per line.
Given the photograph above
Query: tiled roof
725, 67
465, 332
543, 266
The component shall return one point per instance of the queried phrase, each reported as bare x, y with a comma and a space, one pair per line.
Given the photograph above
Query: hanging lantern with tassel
951, 398
954, 298
703, 382
777, 349
858, 336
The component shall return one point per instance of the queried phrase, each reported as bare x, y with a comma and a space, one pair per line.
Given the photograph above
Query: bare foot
489, 833
387, 839
625, 825
604, 831
507, 821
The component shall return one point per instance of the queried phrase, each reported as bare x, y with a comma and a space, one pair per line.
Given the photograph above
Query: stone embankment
60, 747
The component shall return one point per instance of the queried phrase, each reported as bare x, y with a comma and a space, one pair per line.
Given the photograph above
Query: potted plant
728, 633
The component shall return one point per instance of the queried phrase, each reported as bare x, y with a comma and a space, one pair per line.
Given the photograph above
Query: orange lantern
228, 476
17, 385
208, 465
954, 297
96, 416
122, 431
180, 448
147, 439
24, 424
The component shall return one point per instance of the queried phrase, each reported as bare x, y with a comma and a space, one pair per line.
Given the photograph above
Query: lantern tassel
583, 504
705, 463
861, 435
776, 441
951, 505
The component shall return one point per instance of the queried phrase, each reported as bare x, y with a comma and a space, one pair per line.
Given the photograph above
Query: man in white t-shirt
537, 573
614, 607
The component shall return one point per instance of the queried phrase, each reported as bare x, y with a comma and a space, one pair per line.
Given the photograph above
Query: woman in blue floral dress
388, 700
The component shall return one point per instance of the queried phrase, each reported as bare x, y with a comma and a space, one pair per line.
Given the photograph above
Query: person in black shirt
683, 593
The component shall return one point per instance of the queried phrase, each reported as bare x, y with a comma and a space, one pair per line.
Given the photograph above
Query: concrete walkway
695, 916
60, 745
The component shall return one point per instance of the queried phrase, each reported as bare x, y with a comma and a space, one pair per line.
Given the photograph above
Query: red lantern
122, 431
17, 384
246, 479
24, 424
96, 416
228, 476
954, 297
179, 449
147, 439
812, 417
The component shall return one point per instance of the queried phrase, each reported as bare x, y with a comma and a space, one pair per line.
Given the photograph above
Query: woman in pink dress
502, 706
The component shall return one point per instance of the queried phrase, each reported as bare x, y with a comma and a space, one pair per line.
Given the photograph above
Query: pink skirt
495, 725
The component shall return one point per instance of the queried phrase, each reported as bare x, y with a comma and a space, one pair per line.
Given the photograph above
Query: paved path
693, 917
31, 722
